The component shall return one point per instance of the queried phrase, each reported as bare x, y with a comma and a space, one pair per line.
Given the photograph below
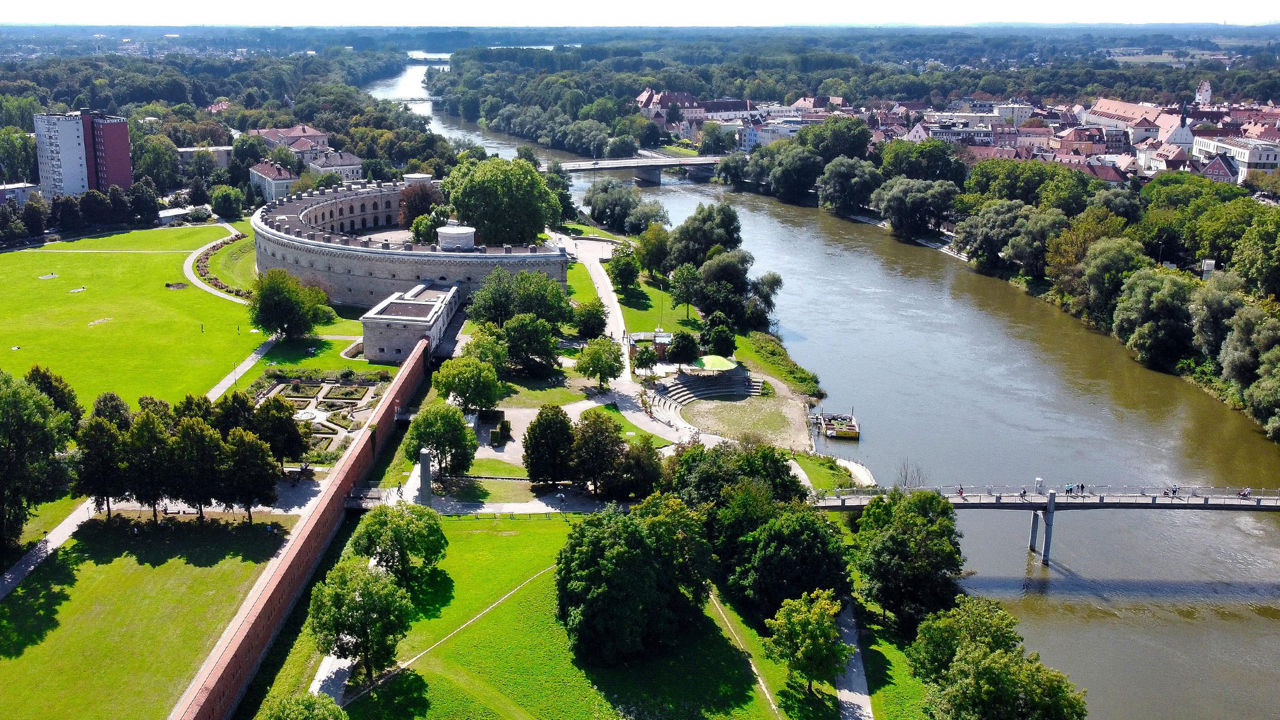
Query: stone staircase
684, 389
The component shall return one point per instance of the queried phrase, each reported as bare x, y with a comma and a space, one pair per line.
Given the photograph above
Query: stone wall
221, 682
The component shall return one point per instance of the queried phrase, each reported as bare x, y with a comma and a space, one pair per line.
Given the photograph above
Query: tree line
76, 214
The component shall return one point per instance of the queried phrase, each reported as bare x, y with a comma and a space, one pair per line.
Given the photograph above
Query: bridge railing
1090, 491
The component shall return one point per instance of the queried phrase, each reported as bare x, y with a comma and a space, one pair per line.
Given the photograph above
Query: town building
394, 326
818, 102
1220, 169
1174, 130
1204, 93
727, 109
1118, 114
305, 141
654, 103
1082, 140
271, 180
346, 165
82, 151
1248, 154
221, 155
17, 192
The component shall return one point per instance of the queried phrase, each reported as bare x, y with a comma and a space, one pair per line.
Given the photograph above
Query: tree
417, 200
302, 707
507, 201
646, 357
403, 539
623, 146
531, 343
597, 450
233, 410
100, 462
283, 305
985, 235
112, 408
35, 216
794, 173
227, 202
199, 457
974, 620
1107, 264
721, 341
487, 345
557, 179
158, 160
837, 136
548, 446
686, 284
198, 192
708, 226
652, 248
1153, 319
424, 227
1121, 202
1005, 684
677, 534
932, 159
913, 206
601, 359
144, 205
732, 170
33, 434
1065, 252
502, 296
65, 213
644, 216
624, 271
202, 164
846, 184
273, 423
440, 429
611, 202
1213, 305
804, 635
1258, 253
56, 389
251, 472
683, 348
716, 139
793, 553
358, 613
194, 406
639, 469
121, 209
149, 462
473, 382
590, 318
95, 208
908, 552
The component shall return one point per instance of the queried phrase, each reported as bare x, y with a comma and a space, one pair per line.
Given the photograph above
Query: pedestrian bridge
649, 169
1043, 504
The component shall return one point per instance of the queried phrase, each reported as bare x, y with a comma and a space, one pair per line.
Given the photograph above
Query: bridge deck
1103, 501
640, 162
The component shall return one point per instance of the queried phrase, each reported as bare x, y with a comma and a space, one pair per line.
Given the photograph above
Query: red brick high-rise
107, 154
82, 151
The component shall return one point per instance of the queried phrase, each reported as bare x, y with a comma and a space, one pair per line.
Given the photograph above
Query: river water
1157, 614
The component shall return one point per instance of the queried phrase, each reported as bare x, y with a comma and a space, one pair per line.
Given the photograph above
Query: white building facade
60, 154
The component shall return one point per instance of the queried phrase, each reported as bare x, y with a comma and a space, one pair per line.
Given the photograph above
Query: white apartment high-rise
60, 153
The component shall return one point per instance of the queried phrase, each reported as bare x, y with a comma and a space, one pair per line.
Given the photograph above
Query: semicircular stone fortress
344, 240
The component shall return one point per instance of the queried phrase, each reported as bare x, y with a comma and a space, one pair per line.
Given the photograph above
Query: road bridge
649, 169
1043, 504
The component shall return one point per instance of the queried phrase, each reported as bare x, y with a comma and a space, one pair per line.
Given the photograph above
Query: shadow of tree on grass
700, 674
800, 704
30, 612
404, 696
430, 591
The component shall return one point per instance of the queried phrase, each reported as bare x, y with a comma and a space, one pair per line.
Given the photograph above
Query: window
361, 207
389, 220
339, 212
387, 206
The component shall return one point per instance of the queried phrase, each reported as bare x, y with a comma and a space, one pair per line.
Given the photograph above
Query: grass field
581, 288
677, 151
515, 662
236, 264
734, 417
579, 229
647, 307
824, 473
308, 353
497, 468
627, 426
125, 332
46, 517
762, 352
896, 694
162, 596
560, 389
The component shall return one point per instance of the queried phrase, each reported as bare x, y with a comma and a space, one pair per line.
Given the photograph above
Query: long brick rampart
221, 682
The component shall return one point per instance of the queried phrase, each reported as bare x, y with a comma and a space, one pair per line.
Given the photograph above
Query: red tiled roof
271, 171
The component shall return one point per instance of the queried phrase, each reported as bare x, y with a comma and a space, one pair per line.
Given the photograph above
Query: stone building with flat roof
394, 326
346, 241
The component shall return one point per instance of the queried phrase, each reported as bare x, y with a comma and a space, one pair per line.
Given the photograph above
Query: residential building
1142, 130
1084, 140
1155, 157
17, 192
1034, 137
652, 103
221, 155
1204, 93
1013, 113
271, 180
727, 109
346, 165
1118, 114
1220, 169
778, 129
818, 102
82, 151
1249, 154
1174, 130
305, 141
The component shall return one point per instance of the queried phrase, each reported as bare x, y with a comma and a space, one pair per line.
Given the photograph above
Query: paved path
189, 269
43, 549
851, 685
245, 365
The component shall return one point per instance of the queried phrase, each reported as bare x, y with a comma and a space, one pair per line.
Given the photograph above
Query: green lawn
627, 426
647, 307
308, 353
236, 264
116, 624
763, 353
896, 694
515, 662
824, 473
679, 151
497, 468
168, 239
580, 286
560, 389
125, 332
578, 229
348, 322
734, 417
46, 517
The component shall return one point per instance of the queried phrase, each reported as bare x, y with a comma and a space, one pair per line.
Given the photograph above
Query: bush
495, 436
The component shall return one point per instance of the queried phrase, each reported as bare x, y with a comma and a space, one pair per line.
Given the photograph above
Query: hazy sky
614, 13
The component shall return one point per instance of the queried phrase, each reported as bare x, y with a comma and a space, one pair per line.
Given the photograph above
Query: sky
613, 13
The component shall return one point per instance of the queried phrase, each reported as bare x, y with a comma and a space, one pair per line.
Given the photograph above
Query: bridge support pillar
1048, 527
648, 176
1035, 529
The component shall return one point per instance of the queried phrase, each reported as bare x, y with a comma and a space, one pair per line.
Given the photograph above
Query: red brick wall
221, 682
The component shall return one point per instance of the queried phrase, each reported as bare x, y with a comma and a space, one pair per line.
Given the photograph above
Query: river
1156, 614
